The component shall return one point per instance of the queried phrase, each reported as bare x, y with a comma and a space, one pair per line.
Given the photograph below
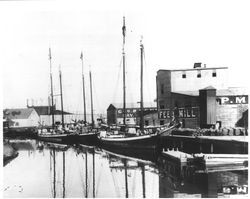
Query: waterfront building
44, 114
115, 113
21, 117
202, 97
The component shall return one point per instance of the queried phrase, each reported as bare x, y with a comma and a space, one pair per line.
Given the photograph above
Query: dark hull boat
145, 142
58, 138
137, 142
89, 138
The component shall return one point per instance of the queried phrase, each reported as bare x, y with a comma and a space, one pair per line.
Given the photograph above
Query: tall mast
83, 88
60, 77
123, 59
142, 111
91, 98
51, 84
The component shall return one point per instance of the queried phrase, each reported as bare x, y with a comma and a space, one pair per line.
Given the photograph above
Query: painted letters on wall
238, 99
191, 112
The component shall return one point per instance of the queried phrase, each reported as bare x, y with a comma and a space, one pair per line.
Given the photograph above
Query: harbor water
62, 171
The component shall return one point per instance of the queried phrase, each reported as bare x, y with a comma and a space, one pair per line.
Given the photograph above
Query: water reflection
62, 171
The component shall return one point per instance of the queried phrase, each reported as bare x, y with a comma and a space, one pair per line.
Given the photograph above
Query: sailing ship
55, 134
87, 133
142, 141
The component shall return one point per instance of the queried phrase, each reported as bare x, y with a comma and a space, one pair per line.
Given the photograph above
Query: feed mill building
202, 97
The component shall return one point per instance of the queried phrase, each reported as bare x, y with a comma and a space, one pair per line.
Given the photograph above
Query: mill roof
220, 92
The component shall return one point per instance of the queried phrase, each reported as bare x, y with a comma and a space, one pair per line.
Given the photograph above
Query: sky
175, 35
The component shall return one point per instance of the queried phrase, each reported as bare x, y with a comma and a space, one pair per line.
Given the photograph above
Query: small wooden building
115, 113
21, 117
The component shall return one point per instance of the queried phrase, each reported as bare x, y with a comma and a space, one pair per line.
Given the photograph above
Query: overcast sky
175, 35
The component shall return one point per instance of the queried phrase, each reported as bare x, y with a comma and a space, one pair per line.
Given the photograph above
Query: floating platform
206, 144
178, 156
208, 162
219, 162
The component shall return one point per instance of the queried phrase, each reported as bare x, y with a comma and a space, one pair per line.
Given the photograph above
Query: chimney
197, 65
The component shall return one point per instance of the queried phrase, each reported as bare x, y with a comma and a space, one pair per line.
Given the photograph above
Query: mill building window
162, 88
214, 74
184, 75
162, 106
198, 74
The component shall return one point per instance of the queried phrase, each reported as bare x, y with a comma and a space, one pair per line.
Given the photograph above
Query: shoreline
9, 152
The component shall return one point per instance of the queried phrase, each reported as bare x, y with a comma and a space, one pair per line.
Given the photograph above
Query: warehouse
21, 117
202, 97
115, 114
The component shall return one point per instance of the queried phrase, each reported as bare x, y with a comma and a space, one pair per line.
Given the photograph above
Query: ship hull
86, 138
138, 142
61, 138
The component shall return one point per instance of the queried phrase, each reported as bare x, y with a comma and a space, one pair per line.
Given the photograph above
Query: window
183, 123
162, 106
162, 88
199, 74
214, 74
184, 75
146, 122
161, 122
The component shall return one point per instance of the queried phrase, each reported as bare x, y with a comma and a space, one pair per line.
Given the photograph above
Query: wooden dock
206, 144
220, 162
208, 162
178, 156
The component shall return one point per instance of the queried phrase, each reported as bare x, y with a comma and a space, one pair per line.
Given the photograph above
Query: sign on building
238, 99
183, 113
132, 112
